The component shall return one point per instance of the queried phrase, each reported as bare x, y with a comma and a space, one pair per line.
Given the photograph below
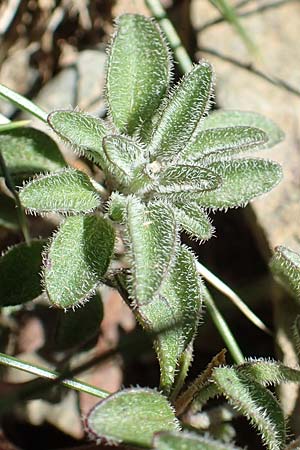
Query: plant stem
180, 53
228, 292
70, 383
20, 211
12, 125
223, 328
22, 103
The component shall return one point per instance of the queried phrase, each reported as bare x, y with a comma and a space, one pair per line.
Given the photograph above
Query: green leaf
67, 191
180, 117
218, 143
125, 156
193, 220
285, 264
138, 72
84, 132
186, 179
255, 402
151, 236
269, 372
8, 214
19, 273
27, 151
242, 180
77, 259
174, 315
188, 441
229, 118
76, 328
131, 417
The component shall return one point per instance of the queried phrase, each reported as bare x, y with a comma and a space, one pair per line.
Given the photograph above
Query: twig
257, 10
229, 293
180, 53
278, 82
223, 329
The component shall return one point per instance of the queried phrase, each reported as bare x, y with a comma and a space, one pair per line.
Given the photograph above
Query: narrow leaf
131, 417
151, 236
76, 328
193, 220
181, 115
181, 179
255, 402
218, 143
242, 180
188, 441
174, 315
285, 264
83, 132
8, 213
138, 72
77, 259
67, 191
27, 151
269, 372
19, 273
229, 118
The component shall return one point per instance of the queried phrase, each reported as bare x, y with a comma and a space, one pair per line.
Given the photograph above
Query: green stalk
23, 393
22, 103
180, 53
20, 211
223, 329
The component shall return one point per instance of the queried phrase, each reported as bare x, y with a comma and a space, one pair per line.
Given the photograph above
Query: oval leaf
77, 259
20, 270
77, 328
181, 114
27, 151
193, 220
151, 237
218, 143
255, 402
131, 416
173, 315
188, 441
285, 264
138, 72
68, 191
82, 131
242, 180
229, 118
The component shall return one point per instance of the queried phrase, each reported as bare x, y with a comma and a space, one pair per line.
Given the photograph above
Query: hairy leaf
138, 72
77, 259
174, 315
218, 143
285, 264
19, 273
186, 179
27, 151
151, 237
193, 220
67, 191
8, 213
188, 441
180, 117
131, 416
125, 156
242, 180
76, 328
83, 132
268, 372
255, 402
229, 118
